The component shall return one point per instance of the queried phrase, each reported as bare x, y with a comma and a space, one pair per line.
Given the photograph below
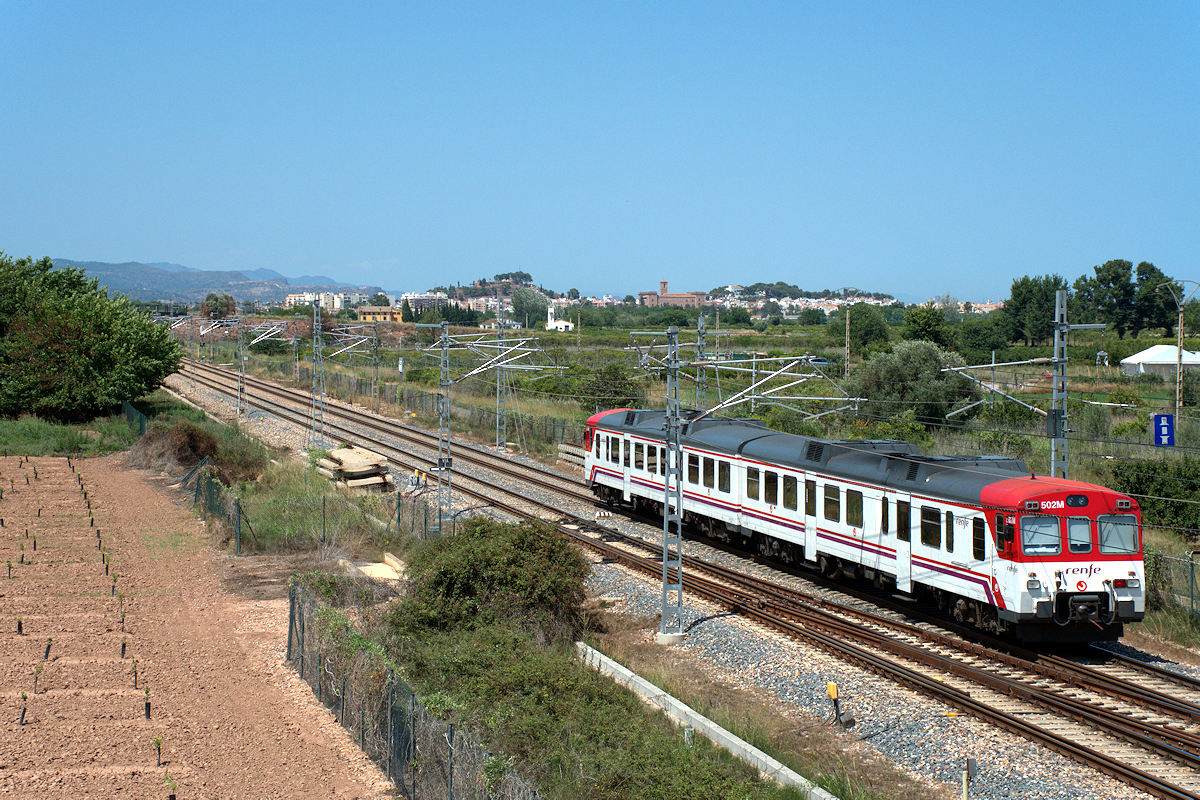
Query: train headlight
1033, 584
1127, 583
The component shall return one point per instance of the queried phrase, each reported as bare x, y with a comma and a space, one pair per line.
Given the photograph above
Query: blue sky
914, 148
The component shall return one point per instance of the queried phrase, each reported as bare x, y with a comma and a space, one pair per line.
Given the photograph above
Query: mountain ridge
167, 281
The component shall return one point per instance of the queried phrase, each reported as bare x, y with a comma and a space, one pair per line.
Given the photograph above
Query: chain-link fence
1171, 583
217, 501
135, 418
423, 756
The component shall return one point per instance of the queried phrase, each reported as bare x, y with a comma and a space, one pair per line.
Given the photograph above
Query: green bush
490, 573
1164, 478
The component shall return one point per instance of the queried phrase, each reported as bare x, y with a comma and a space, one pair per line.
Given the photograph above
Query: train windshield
1118, 533
1040, 536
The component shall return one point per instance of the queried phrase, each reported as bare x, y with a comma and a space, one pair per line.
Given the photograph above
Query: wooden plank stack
356, 468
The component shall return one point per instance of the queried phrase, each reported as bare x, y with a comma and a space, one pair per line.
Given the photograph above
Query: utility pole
318, 380
701, 357
241, 397
501, 411
847, 374
444, 461
1180, 301
671, 623
1056, 420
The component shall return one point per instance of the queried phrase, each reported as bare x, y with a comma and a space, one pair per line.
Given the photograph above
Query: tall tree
1154, 306
406, 312
219, 306
1114, 293
868, 327
929, 324
1030, 306
379, 299
910, 379
67, 349
529, 307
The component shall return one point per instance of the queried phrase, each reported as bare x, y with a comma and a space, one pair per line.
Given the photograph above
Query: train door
810, 518
626, 466
904, 527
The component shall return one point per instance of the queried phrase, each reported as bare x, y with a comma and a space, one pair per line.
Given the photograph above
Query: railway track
1145, 735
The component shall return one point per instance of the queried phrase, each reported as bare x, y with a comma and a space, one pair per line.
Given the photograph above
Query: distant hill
175, 282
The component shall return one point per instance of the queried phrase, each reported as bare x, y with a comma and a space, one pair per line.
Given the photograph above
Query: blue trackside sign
1164, 430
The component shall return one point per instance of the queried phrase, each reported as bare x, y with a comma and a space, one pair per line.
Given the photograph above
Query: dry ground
208, 635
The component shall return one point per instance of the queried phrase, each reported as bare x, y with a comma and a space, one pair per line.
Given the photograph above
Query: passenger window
1040, 535
752, 483
639, 461
810, 498
903, 521
651, 458
614, 449
723, 476
710, 473
931, 527
693, 471
771, 488
949, 531
883, 515
789, 492
627, 446
978, 539
1118, 533
854, 514
662, 460
1079, 535
833, 503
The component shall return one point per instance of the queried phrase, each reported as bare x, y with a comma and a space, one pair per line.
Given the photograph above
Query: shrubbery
68, 351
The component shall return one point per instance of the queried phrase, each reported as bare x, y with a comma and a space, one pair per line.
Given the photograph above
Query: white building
553, 324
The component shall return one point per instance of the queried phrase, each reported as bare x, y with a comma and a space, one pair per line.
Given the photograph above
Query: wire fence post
322, 519
237, 524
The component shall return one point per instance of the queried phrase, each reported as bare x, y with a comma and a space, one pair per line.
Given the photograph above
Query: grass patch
31, 436
285, 513
1170, 625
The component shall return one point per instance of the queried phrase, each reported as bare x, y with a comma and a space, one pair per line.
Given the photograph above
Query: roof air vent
913, 466
815, 451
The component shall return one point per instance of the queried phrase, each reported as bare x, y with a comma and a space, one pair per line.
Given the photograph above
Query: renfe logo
1051, 504
1087, 572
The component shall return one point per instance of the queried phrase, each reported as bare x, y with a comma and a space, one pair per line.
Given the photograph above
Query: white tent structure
1159, 360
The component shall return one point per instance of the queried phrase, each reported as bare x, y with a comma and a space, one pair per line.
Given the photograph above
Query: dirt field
208, 635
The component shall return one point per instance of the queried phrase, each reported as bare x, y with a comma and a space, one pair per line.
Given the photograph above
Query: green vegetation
285, 513
31, 436
484, 636
68, 351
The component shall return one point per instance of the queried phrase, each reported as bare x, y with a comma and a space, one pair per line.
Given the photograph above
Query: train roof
887, 462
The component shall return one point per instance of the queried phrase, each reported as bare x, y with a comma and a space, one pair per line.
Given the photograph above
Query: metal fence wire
1171, 583
216, 501
423, 756
135, 418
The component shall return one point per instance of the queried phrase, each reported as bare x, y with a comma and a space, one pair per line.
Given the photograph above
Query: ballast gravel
923, 736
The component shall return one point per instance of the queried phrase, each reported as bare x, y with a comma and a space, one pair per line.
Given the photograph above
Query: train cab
1068, 558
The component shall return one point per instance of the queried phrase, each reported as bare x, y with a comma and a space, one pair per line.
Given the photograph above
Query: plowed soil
207, 633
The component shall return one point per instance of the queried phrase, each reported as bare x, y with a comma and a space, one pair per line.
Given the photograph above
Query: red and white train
1046, 559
